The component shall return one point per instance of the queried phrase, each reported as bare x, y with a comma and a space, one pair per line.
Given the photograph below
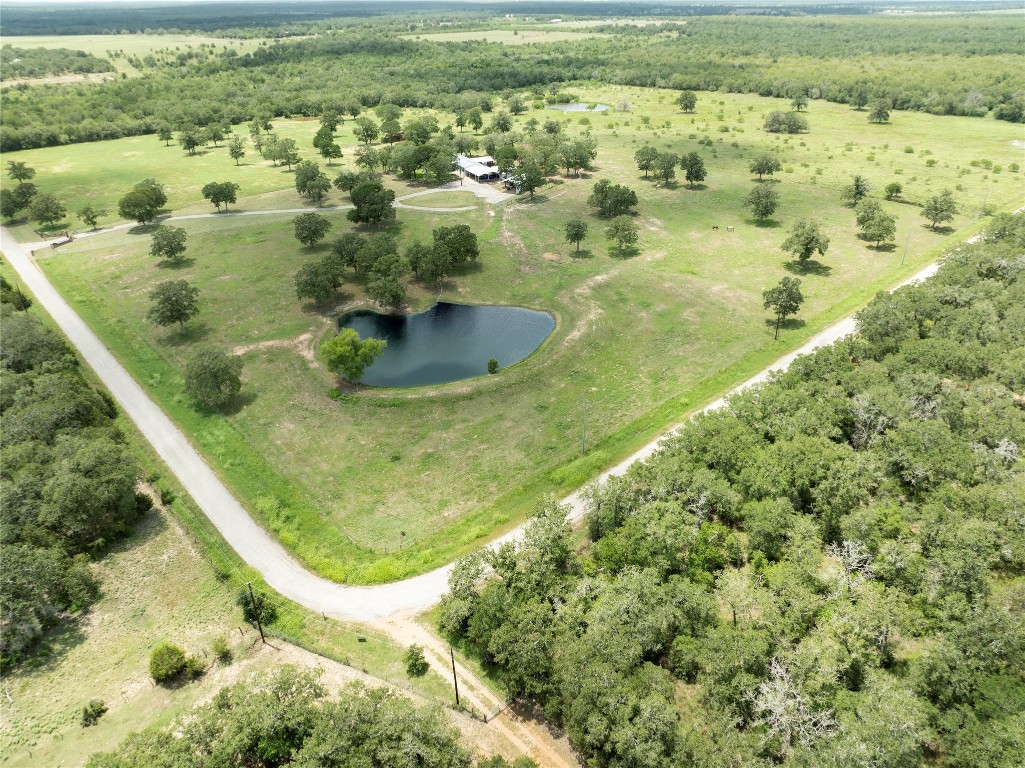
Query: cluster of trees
39, 62
972, 73
287, 718
663, 165
785, 122
832, 563
375, 259
68, 482
44, 208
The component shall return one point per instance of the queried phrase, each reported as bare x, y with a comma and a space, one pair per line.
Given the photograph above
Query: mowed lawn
643, 339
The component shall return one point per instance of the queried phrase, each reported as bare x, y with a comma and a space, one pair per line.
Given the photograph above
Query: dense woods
286, 718
67, 486
828, 571
963, 65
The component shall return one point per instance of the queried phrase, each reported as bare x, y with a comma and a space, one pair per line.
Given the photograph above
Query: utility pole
906, 244
455, 681
256, 611
583, 434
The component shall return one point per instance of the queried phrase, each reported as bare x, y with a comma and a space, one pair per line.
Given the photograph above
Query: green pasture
644, 339
100, 173
110, 46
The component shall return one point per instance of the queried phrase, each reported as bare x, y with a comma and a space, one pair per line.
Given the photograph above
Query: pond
448, 342
579, 107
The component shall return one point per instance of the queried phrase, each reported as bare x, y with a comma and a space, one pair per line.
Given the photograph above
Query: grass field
115, 48
156, 586
643, 339
100, 173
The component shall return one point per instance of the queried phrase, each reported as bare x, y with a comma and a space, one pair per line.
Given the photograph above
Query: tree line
68, 485
963, 66
827, 571
286, 717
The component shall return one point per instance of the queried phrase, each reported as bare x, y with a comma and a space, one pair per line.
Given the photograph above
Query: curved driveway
252, 543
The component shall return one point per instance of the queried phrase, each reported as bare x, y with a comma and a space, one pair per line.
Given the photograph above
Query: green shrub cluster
285, 718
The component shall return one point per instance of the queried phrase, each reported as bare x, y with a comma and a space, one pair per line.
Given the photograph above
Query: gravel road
252, 543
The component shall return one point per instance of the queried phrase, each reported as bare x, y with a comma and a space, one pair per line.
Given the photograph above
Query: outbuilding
481, 168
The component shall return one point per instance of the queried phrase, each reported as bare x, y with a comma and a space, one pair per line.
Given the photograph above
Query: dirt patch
511, 240
302, 344
551, 256
594, 313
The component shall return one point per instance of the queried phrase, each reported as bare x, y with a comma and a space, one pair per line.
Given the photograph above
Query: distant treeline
209, 17
964, 65
40, 62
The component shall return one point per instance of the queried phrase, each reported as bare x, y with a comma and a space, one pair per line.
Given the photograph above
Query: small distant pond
580, 107
448, 342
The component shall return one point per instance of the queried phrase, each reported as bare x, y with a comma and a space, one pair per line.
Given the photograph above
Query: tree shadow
883, 247
808, 267
530, 711
670, 185
53, 230
789, 324
144, 229
230, 408
194, 331
535, 199
944, 230
583, 253
764, 223
628, 252
468, 268
176, 263
699, 187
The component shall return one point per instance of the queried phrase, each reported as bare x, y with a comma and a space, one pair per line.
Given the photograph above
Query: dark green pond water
448, 342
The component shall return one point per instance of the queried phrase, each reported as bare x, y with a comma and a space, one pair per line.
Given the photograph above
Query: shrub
92, 712
267, 611
416, 663
219, 648
166, 662
143, 502
683, 657
493, 365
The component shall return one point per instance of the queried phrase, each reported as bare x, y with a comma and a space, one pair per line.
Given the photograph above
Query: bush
683, 658
493, 365
143, 502
416, 663
92, 712
219, 648
267, 611
166, 662
194, 666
